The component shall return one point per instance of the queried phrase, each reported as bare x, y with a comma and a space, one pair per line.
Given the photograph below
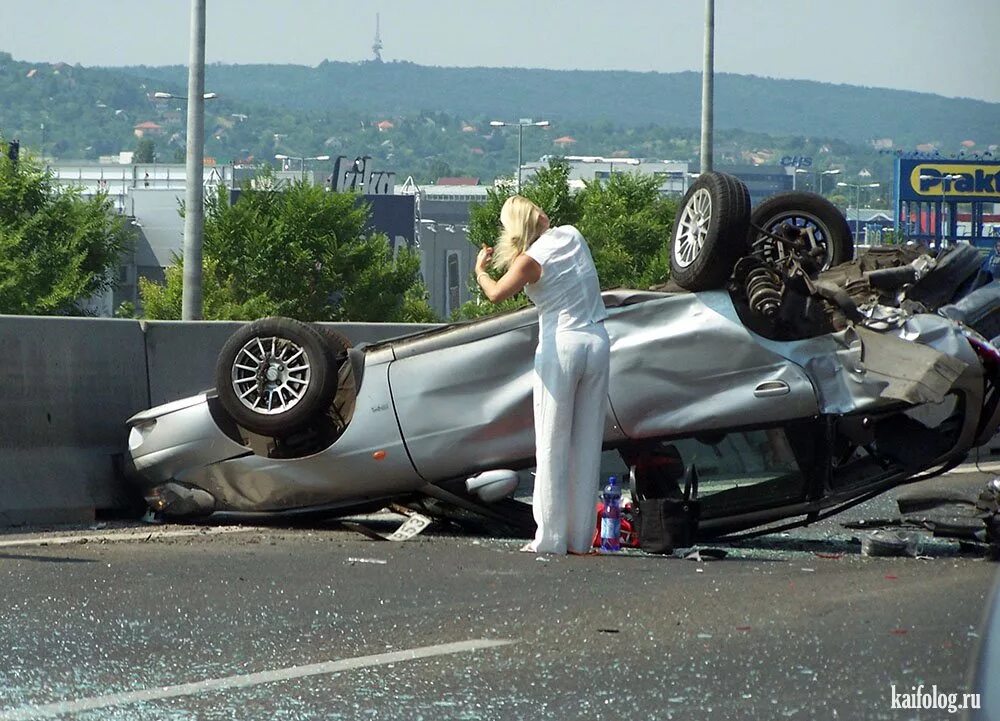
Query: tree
439, 169
627, 223
56, 247
625, 220
298, 251
145, 151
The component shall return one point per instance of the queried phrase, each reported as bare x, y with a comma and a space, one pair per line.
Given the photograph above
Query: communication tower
377, 45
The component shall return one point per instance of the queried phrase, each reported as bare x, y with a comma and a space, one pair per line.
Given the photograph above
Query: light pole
521, 125
946, 181
708, 90
302, 161
857, 187
194, 202
795, 176
826, 172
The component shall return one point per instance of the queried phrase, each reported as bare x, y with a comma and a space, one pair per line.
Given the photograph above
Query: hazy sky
947, 47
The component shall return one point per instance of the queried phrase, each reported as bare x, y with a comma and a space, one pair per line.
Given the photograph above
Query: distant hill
439, 117
631, 99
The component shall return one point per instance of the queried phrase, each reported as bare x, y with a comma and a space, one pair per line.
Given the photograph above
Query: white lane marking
151, 535
52, 710
983, 467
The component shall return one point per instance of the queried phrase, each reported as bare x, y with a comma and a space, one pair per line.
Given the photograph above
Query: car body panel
446, 403
168, 440
370, 447
684, 363
467, 407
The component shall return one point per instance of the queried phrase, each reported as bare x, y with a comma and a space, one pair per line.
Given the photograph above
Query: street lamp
857, 187
826, 172
302, 161
160, 95
795, 176
521, 125
945, 181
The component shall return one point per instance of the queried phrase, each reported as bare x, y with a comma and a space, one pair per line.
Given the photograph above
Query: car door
684, 363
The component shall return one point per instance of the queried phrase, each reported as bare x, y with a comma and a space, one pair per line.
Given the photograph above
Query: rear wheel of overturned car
335, 340
710, 232
805, 218
275, 375
342, 407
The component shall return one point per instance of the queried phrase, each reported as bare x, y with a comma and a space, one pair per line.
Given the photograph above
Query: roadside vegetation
625, 220
297, 251
57, 249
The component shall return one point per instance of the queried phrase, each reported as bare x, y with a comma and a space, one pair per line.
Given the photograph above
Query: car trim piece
158, 411
770, 389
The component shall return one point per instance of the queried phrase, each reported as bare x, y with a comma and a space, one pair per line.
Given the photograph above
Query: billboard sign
956, 181
355, 176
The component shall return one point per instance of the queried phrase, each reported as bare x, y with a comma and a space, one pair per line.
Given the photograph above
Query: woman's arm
522, 271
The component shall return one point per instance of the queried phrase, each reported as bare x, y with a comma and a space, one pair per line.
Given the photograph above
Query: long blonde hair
522, 224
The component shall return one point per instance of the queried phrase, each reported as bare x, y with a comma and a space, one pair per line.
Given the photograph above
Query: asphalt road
321, 622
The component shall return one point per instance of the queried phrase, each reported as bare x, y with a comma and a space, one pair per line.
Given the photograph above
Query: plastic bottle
611, 516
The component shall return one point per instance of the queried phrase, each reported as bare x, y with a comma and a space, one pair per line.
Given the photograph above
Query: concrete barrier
68, 385
180, 356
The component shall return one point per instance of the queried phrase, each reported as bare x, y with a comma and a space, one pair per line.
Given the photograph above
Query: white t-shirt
568, 294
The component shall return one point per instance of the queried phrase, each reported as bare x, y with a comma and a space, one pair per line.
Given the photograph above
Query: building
676, 176
938, 200
150, 196
673, 173
447, 257
762, 181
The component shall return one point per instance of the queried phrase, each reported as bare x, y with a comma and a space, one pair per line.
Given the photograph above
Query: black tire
338, 342
810, 211
341, 410
261, 389
710, 232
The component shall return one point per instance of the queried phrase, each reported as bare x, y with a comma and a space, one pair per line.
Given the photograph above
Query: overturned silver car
795, 379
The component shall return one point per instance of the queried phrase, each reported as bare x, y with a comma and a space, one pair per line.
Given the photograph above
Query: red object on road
629, 533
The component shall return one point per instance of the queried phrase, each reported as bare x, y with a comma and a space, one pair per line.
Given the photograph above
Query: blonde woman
555, 269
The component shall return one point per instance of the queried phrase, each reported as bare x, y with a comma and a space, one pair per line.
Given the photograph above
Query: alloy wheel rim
692, 228
271, 375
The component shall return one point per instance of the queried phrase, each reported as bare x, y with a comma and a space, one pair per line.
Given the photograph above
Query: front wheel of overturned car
275, 375
710, 232
806, 219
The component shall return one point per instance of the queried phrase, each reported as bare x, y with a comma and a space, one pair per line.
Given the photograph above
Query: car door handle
769, 389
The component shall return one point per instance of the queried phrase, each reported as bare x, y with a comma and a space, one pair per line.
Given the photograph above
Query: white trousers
570, 402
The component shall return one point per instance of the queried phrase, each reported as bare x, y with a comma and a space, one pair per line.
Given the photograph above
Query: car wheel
337, 341
816, 221
275, 375
342, 407
710, 232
